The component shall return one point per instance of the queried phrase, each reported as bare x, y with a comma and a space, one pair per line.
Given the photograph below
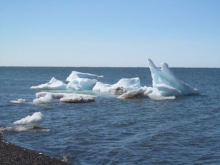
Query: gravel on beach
15, 155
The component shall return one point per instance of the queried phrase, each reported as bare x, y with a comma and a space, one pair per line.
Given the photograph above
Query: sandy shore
15, 155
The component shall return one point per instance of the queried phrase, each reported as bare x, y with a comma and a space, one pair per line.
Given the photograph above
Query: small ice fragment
75, 75
18, 101
35, 120
78, 98
41, 94
43, 100
160, 98
51, 85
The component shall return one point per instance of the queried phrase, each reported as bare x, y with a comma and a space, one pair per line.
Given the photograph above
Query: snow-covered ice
18, 101
77, 98
43, 100
53, 84
75, 75
166, 84
35, 120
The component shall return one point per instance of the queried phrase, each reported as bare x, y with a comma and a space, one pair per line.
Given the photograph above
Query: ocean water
111, 131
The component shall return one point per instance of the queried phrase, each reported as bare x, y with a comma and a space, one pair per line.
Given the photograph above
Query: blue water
185, 130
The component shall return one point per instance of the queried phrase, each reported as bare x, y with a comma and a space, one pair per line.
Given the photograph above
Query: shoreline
12, 154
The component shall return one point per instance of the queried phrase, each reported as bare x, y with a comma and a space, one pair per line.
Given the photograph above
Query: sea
112, 131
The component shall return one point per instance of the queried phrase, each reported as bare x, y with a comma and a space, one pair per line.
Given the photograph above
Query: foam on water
23, 128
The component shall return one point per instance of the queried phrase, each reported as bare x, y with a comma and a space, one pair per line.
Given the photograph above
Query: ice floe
101, 87
166, 84
122, 86
68, 97
18, 101
77, 98
75, 75
43, 100
128, 83
35, 120
53, 84
81, 84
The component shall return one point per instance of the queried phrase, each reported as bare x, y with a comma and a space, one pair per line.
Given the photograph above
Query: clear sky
183, 33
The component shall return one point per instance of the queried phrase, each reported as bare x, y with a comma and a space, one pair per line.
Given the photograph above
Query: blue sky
116, 33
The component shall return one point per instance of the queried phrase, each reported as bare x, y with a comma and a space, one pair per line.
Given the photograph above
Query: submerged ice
18, 101
35, 120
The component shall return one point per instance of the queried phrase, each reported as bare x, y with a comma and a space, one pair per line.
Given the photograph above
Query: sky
110, 33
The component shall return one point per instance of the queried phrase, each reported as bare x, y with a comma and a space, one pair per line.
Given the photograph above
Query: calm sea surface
110, 131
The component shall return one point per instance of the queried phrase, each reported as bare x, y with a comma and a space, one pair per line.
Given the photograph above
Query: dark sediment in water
11, 154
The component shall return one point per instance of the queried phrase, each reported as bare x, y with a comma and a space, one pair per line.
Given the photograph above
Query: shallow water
185, 130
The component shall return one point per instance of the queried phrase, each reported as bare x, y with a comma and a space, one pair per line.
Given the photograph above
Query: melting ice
74, 75
77, 98
52, 84
126, 84
35, 120
18, 101
68, 97
165, 83
43, 100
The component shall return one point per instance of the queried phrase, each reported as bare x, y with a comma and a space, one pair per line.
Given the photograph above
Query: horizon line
109, 67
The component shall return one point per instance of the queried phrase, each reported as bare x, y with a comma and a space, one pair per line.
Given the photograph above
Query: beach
11, 154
